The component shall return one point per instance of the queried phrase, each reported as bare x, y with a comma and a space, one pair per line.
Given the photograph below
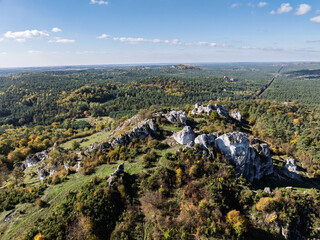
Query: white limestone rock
205, 140
177, 117
236, 115
249, 162
201, 109
185, 136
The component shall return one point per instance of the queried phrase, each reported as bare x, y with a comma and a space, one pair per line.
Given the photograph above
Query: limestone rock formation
141, 131
177, 117
236, 115
222, 111
252, 163
116, 173
200, 109
291, 169
185, 136
35, 158
205, 140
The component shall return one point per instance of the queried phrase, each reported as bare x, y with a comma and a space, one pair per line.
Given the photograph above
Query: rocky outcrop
177, 117
141, 131
35, 158
291, 169
251, 162
186, 136
236, 115
200, 109
96, 148
116, 173
222, 111
205, 140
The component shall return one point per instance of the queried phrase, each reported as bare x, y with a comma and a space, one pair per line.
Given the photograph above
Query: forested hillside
99, 153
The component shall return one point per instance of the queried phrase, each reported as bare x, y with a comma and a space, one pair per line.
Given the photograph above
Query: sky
91, 32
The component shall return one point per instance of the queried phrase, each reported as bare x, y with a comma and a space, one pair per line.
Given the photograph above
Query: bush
40, 203
75, 145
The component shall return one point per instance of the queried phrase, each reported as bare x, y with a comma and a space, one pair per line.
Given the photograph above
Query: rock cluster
251, 162
116, 173
35, 158
186, 136
177, 117
200, 109
32, 159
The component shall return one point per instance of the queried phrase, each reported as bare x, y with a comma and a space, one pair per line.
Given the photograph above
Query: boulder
222, 111
177, 117
248, 162
205, 140
35, 158
236, 115
185, 136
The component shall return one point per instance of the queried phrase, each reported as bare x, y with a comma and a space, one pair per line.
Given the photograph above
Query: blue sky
86, 32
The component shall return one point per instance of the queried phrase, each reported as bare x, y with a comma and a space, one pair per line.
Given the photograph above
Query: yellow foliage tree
265, 204
179, 174
238, 222
39, 236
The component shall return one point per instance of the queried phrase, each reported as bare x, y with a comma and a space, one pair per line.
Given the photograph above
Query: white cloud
235, 5
208, 44
20, 40
315, 19
303, 9
85, 52
132, 40
317, 11
3, 53
35, 52
62, 40
103, 36
99, 2
262, 4
26, 34
284, 8
262, 48
1, 39
56, 29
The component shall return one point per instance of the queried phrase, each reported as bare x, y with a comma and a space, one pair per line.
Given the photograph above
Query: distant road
259, 92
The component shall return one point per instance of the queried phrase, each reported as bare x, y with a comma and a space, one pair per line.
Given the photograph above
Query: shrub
40, 203
75, 145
